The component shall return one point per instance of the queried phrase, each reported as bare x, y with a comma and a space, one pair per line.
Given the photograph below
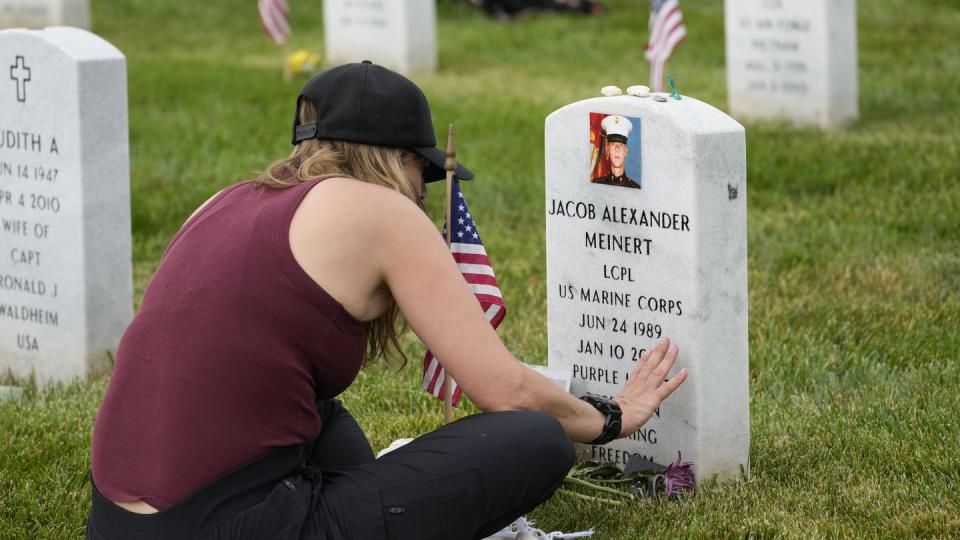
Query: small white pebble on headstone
639, 90
611, 91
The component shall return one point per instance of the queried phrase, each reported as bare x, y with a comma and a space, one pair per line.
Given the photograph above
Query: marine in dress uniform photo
616, 130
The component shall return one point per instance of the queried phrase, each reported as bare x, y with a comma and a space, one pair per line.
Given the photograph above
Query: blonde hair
381, 165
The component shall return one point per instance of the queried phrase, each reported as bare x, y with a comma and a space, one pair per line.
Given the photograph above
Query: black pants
467, 479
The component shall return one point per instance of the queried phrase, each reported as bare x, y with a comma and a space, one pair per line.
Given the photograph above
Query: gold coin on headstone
661, 99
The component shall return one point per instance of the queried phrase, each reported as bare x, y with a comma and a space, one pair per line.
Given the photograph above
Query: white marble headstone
398, 34
659, 250
40, 13
792, 59
65, 272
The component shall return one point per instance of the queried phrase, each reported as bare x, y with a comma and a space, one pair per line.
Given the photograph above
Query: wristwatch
610, 409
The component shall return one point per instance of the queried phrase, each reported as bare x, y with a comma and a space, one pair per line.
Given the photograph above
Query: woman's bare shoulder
348, 200
346, 186
345, 232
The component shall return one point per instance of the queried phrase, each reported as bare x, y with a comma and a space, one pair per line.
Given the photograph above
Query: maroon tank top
231, 347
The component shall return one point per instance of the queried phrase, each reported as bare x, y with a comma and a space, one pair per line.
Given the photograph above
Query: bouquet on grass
640, 477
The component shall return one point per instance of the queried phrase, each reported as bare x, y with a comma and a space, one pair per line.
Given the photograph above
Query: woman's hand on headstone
648, 386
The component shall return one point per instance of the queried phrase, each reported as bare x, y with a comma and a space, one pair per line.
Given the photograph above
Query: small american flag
666, 32
273, 18
467, 249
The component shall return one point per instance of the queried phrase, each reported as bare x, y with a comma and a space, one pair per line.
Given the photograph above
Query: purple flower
677, 479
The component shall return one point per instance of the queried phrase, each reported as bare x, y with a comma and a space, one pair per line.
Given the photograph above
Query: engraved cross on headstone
20, 73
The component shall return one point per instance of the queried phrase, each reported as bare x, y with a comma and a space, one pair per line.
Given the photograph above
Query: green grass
854, 242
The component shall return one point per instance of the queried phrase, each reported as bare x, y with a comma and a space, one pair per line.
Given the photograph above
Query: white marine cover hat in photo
617, 128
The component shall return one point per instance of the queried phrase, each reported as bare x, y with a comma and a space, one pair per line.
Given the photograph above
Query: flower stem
590, 485
588, 497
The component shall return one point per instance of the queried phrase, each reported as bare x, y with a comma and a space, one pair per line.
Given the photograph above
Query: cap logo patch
306, 131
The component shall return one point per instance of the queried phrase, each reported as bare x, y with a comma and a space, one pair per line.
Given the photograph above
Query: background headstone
793, 59
65, 269
627, 266
398, 34
40, 13
10, 393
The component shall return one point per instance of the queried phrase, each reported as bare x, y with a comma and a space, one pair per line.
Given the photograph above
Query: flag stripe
656, 24
436, 379
471, 258
666, 32
482, 279
492, 312
270, 25
670, 24
468, 248
266, 20
489, 299
484, 289
278, 12
274, 19
675, 25
475, 269
269, 18
675, 40
664, 29
657, 18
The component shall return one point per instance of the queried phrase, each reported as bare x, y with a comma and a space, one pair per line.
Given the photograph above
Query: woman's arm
440, 307
405, 251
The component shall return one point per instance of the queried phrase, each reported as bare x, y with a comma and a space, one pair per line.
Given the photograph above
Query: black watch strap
611, 409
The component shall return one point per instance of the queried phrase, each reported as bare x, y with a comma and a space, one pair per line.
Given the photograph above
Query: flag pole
284, 61
450, 164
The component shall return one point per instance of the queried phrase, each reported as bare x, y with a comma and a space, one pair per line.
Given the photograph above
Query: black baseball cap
370, 104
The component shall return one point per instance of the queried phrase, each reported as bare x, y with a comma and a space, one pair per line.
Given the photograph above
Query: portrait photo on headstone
615, 150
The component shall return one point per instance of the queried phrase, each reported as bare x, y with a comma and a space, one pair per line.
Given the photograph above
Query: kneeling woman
220, 422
